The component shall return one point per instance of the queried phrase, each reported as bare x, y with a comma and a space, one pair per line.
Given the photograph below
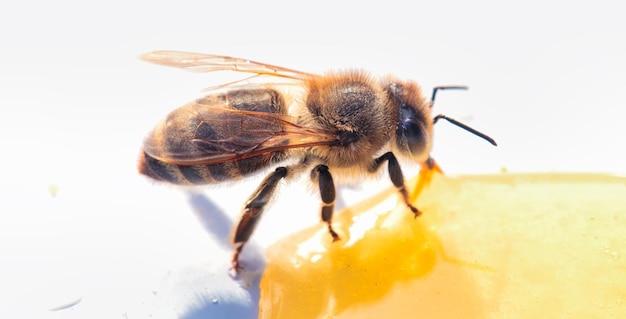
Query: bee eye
411, 137
414, 135
412, 130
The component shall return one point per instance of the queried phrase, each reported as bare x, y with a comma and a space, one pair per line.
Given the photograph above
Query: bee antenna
453, 121
465, 127
450, 87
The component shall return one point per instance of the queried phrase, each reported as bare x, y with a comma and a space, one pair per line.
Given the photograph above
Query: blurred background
81, 233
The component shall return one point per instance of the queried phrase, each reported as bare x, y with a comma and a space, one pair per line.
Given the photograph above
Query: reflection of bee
344, 124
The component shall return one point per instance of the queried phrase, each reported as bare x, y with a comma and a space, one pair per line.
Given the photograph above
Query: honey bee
343, 124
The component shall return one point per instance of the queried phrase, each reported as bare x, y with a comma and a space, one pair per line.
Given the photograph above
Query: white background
547, 80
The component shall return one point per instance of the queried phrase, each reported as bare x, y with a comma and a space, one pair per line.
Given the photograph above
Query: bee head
414, 131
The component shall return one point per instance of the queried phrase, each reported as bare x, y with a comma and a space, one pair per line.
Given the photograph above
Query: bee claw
234, 270
416, 212
334, 234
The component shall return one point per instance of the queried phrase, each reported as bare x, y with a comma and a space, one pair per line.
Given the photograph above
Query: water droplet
214, 300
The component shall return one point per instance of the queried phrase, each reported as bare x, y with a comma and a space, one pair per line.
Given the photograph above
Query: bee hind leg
252, 212
324, 179
395, 174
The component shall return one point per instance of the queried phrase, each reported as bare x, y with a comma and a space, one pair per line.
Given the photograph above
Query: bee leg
253, 210
321, 175
395, 174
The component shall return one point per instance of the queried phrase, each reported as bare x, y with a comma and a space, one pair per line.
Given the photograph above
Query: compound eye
415, 136
412, 129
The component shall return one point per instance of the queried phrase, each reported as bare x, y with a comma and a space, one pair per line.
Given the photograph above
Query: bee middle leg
395, 174
253, 210
322, 177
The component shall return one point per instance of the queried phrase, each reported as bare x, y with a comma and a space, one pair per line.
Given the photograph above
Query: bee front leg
253, 210
321, 175
395, 174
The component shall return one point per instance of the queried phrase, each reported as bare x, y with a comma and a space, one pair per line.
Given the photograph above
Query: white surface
546, 81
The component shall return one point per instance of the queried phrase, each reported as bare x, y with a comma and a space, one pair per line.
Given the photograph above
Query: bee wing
198, 62
222, 135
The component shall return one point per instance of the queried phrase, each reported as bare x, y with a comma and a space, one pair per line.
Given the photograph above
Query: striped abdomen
208, 130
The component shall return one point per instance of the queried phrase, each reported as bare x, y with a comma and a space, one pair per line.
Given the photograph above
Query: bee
342, 124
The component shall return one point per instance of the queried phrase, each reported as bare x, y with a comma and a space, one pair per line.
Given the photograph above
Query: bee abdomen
200, 130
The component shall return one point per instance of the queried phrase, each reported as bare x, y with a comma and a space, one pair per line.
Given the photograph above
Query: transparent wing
221, 135
198, 62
